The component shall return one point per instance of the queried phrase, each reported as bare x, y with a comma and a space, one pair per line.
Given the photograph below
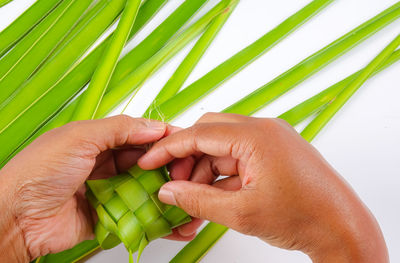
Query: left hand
43, 205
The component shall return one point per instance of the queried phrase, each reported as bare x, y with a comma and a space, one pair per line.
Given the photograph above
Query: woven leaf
129, 210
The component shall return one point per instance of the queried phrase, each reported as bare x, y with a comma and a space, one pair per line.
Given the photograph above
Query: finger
200, 200
190, 228
84, 211
209, 168
211, 117
178, 237
104, 165
229, 184
126, 158
181, 169
222, 139
204, 172
172, 129
95, 136
113, 162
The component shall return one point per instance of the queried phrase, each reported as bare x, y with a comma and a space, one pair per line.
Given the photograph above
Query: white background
362, 142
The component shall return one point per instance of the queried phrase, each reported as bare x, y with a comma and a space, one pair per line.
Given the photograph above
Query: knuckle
123, 118
271, 125
129, 124
208, 116
195, 130
283, 122
244, 148
223, 117
73, 129
211, 114
77, 135
123, 121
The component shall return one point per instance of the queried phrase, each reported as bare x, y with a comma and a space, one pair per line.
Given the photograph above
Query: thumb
201, 200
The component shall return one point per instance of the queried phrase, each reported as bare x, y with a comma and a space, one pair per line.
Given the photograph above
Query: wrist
12, 242
351, 251
351, 237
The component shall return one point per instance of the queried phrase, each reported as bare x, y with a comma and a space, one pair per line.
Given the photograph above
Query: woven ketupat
129, 209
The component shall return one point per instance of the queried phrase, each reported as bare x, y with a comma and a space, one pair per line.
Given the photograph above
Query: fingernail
166, 196
155, 125
185, 234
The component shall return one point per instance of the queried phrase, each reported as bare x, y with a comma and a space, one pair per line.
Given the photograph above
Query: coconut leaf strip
56, 67
93, 95
24, 23
313, 105
200, 88
311, 65
331, 109
181, 74
135, 80
19, 67
195, 250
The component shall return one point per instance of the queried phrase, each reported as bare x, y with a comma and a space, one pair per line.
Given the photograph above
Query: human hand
279, 188
43, 203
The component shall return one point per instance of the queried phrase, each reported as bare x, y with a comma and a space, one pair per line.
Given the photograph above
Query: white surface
362, 142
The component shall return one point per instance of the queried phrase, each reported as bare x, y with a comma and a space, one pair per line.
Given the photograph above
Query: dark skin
279, 188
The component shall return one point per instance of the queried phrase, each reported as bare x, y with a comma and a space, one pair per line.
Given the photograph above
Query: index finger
90, 138
215, 139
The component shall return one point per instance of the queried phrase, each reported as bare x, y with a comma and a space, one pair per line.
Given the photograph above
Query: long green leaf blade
195, 250
326, 115
179, 77
24, 23
314, 63
4, 2
133, 81
92, 97
22, 47
24, 65
51, 72
307, 108
71, 255
156, 40
216, 77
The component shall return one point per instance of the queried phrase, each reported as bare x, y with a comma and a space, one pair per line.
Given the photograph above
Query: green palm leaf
179, 77
59, 64
332, 108
24, 23
93, 95
18, 65
313, 105
200, 88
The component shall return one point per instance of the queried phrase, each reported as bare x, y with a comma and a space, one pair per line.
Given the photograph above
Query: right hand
279, 188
